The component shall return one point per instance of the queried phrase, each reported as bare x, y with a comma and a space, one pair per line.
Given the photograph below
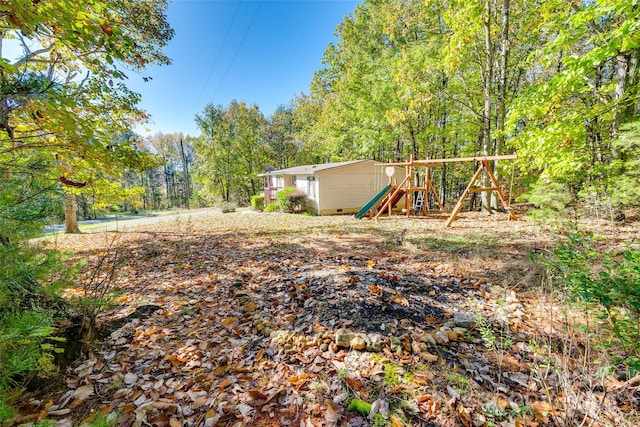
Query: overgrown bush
257, 202
283, 201
608, 285
296, 200
271, 207
28, 315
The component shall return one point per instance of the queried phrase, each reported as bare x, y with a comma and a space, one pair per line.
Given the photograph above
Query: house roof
311, 169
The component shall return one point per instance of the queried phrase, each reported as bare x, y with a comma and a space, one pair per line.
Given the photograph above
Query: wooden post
429, 187
503, 199
465, 193
483, 166
387, 204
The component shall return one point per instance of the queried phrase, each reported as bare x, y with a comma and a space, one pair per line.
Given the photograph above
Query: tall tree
64, 98
178, 154
279, 137
584, 87
231, 151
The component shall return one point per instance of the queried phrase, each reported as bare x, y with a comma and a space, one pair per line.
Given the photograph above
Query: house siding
336, 188
346, 189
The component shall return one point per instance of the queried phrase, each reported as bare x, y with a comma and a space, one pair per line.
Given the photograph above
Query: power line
244, 36
215, 62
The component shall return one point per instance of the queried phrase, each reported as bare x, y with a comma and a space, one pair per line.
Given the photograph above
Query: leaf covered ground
277, 320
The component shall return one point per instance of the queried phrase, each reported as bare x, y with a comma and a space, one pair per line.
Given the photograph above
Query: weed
186, 312
342, 374
606, 284
498, 344
459, 382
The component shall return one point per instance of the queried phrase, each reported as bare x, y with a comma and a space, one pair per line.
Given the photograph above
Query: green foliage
550, 200
231, 151
257, 202
608, 285
271, 207
27, 315
283, 201
66, 119
360, 406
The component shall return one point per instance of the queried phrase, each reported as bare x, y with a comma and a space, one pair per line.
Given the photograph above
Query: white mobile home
331, 188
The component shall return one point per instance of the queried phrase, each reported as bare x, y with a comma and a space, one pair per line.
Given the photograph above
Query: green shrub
257, 202
271, 207
27, 316
608, 284
296, 200
283, 201
30, 277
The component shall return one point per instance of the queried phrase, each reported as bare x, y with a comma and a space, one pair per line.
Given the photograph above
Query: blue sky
269, 55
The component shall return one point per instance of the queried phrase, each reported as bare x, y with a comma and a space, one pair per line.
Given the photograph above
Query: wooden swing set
406, 189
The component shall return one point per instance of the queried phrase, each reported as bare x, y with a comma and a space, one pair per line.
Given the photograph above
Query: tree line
554, 81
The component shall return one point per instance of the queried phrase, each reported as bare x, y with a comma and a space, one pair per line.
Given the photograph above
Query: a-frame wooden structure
405, 188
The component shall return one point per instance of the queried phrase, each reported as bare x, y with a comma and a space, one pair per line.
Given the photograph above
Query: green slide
362, 212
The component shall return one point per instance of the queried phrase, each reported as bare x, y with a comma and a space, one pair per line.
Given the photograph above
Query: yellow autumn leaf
221, 369
228, 321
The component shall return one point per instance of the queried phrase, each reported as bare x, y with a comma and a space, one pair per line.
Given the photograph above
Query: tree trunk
486, 83
502, 93
185, 165
622, 61
166, 184
70, 216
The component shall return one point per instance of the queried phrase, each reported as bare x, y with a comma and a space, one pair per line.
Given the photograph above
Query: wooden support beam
430, 186
483, 166
437, 162
465, 193
480, 190
503, 199
392, 195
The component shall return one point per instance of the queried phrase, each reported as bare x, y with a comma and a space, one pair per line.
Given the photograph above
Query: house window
294, 181
311, 187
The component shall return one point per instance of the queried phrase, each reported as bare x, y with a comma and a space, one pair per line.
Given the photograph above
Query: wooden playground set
390, 196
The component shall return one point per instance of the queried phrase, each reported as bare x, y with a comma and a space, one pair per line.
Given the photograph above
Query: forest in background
555, 82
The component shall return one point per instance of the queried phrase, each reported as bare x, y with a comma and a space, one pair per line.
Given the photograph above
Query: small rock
324, 347
396, 344
431, 339
442, 337
464, 320
428, 357
375, 341
344, 337
460, 331
452, 335
358, 342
